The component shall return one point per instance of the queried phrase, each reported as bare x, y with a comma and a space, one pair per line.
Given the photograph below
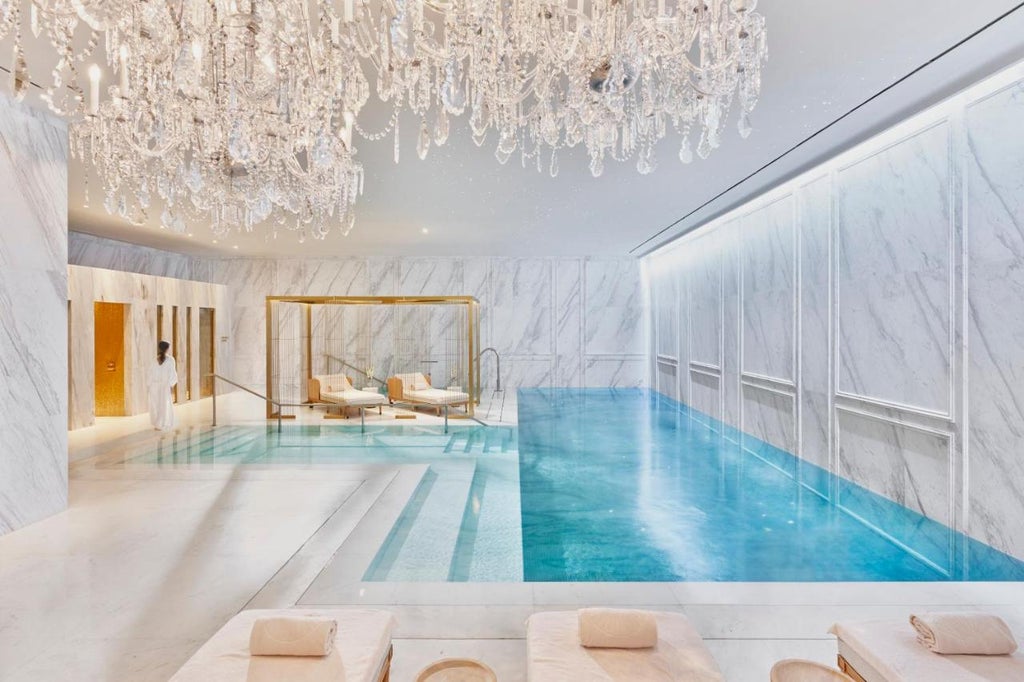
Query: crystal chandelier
241, 112
612, 75
233, 112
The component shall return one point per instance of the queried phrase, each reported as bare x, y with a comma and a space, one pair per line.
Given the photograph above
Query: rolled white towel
617, 629
964, 633
292, 636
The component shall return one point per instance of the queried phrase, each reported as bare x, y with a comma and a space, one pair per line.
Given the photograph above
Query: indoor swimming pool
610, 485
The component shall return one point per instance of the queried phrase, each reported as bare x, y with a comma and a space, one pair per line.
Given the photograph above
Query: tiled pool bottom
627, 485
606, 485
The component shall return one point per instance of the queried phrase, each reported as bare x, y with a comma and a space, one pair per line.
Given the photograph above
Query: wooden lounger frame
385, 668
313, 393
845, 666
397, 394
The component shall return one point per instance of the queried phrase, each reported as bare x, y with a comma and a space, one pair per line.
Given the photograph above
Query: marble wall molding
33, 315
889, 328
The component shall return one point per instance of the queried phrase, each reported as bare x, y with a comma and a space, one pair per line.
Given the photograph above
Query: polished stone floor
148, 563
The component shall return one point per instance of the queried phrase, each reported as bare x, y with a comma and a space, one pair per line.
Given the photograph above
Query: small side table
457, 670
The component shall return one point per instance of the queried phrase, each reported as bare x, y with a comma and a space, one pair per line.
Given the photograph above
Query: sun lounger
362, 649
888, 651
415, 389
555, 654
337, 389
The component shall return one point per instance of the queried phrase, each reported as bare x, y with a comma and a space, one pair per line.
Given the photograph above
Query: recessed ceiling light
214, 241
190, 234
235, 246
425, 231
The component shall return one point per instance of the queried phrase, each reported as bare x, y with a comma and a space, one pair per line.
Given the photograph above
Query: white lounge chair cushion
414, 381
362, 643
354, 398
554, 653
333, 383
891, 652
437, 396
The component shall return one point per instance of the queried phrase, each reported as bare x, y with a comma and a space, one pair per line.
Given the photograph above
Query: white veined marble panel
569, 306
769, 289
771, 417
705, 394
894, 273
995, 228
613, 306
521, 299
33, 362
336, 277
705, 301
904, 464
615, 372
430, 277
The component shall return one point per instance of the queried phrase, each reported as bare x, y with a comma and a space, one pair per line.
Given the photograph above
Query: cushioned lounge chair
554, 653
362, 646
337, 389
415, 389
888, 651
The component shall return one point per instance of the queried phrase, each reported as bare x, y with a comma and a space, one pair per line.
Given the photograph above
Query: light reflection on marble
880, 234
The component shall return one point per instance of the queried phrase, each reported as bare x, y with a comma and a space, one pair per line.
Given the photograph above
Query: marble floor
148, 563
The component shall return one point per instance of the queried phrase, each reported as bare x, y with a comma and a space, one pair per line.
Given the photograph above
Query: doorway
109, 358
175, 346
188, 354
207, 336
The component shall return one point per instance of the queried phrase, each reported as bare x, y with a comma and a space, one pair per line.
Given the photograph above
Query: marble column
33, 316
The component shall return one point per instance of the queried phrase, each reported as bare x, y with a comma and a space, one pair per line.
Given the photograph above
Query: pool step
430, 528
490, 547
484, 440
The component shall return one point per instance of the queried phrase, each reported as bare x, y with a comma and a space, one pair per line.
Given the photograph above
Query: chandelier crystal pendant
613, 75
231, 112
237, 112
241, 112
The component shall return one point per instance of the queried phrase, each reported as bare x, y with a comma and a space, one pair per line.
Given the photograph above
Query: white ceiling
825, 59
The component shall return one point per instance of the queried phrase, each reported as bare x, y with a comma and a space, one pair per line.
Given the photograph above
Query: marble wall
33, 315
866, 317
108, 254
142, 294
555, 321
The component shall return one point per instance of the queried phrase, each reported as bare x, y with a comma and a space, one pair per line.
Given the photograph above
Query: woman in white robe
162, 378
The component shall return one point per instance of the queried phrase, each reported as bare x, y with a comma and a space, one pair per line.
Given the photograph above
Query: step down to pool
490, 546
428, 530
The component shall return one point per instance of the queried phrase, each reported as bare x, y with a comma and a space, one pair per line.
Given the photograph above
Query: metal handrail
362, 372
275, 403
497, 359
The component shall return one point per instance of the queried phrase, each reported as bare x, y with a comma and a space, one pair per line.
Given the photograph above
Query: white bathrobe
162, 379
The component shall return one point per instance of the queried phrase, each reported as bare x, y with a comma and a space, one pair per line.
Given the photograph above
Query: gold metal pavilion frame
472, 332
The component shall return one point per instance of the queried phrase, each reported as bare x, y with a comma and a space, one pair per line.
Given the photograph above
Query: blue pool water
606, 485
627, 485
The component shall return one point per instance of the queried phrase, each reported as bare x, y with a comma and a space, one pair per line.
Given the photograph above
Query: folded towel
964, 633
292, 636
617, 629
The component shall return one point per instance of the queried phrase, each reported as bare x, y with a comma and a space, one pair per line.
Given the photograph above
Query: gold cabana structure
371, 341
